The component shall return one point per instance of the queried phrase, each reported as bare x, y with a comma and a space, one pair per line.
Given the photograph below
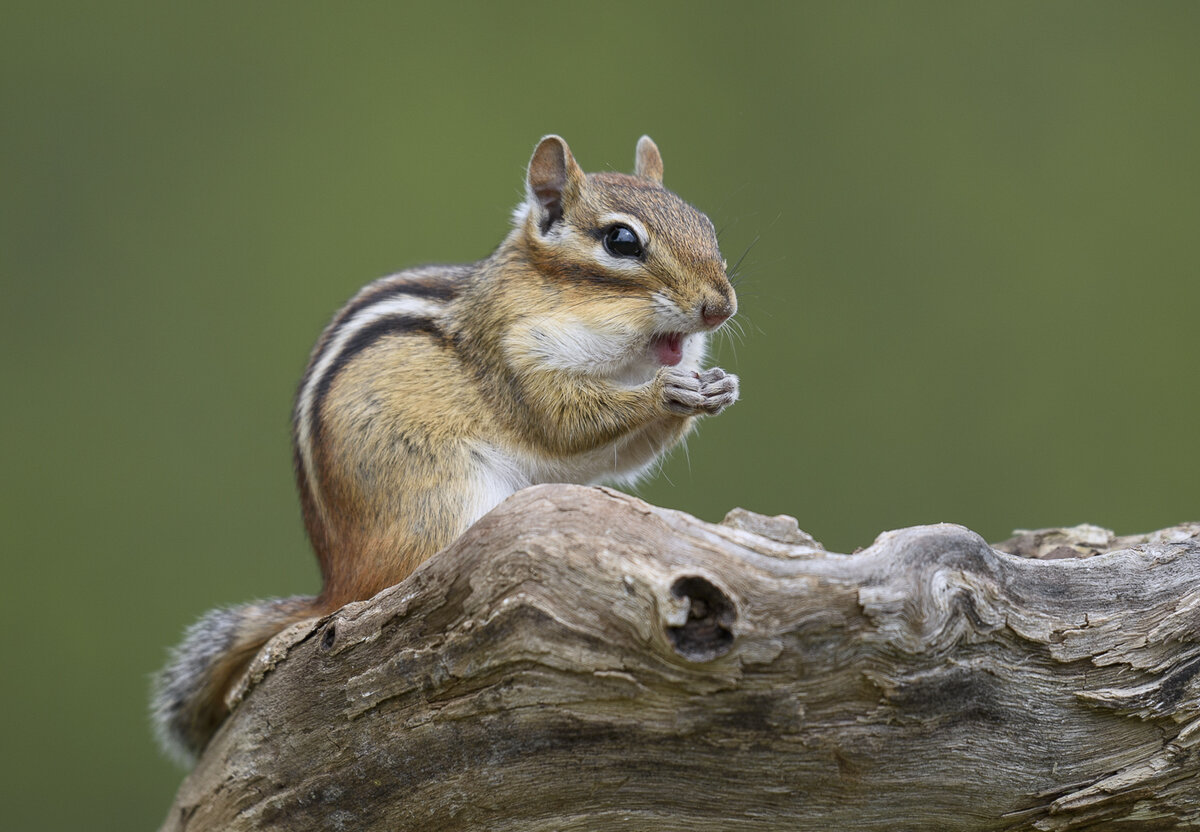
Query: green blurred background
973, 296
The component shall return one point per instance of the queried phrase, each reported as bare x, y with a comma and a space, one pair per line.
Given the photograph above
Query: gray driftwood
580, 660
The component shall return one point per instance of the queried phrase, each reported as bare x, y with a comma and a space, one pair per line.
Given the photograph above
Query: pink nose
715, 315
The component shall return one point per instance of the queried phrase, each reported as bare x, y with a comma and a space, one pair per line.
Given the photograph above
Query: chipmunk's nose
716, 313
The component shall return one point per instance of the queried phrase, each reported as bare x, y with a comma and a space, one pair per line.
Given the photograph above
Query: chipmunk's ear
648, 162
554, 180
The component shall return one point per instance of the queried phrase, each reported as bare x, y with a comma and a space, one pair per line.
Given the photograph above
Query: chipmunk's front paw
707, 392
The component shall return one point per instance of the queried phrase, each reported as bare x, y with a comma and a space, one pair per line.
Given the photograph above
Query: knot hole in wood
708, 632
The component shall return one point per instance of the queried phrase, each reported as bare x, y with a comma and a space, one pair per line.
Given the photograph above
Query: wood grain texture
581, 660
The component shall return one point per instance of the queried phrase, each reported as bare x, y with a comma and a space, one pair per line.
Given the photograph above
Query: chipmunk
572, 354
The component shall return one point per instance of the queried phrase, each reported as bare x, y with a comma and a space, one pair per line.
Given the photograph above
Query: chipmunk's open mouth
667, 348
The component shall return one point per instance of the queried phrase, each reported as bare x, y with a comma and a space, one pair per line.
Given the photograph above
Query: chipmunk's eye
620, 241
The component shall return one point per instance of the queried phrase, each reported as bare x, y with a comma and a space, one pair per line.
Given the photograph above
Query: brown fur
395, 458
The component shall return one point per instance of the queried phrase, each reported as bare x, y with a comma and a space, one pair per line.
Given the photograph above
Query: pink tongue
668, 349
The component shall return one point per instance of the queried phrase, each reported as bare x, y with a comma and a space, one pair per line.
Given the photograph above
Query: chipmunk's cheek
667, 349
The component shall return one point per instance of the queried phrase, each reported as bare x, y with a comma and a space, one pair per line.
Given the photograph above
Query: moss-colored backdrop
974, 295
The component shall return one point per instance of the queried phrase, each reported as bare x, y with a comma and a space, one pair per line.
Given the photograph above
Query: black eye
622, 242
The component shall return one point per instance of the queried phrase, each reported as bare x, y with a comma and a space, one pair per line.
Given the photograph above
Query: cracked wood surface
581, 660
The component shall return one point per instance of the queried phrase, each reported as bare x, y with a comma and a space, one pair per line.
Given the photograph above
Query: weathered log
580, 659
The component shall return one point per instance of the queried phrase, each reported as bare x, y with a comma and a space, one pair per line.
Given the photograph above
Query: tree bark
581, 660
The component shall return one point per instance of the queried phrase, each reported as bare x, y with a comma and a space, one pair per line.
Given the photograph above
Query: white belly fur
572, 346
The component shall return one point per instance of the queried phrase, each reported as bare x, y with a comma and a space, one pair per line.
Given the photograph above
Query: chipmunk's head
627, 249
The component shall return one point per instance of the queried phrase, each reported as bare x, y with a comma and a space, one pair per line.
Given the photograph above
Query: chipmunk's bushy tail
188, 699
